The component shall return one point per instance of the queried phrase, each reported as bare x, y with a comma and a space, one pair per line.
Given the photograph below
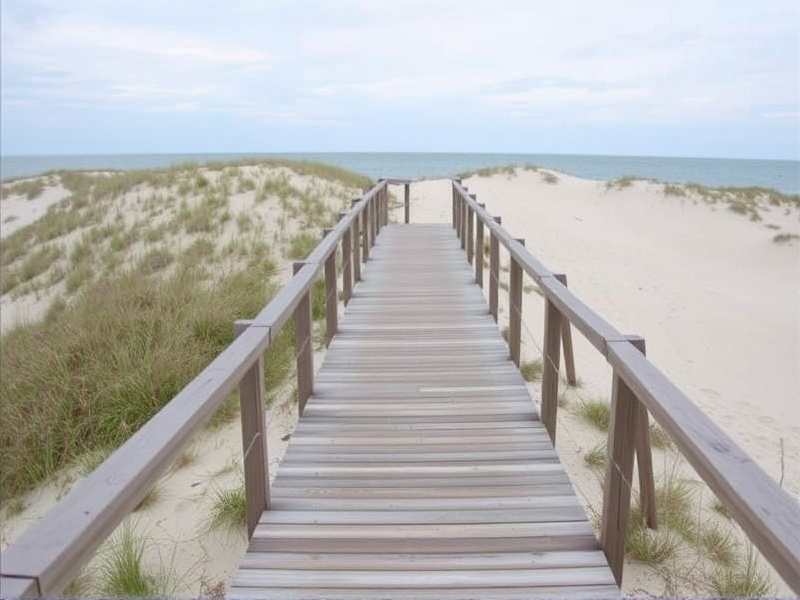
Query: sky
616, 77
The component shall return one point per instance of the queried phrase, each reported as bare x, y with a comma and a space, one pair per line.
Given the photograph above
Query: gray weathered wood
644, 454
357, 242
470, 233
494, 271
347, 266
254, 439
479, 251
550, 370
515, 309
619, 472
331, 299
304, 348
407, 202
566, 341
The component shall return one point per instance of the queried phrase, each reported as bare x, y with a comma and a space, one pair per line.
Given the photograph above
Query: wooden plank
423, 562
473, 579
583, 592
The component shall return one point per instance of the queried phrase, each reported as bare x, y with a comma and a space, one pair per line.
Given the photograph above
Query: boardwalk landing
420, 469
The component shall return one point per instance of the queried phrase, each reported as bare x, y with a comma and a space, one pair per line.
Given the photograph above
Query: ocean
782, 175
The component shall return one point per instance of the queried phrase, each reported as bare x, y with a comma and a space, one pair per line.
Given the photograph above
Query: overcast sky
673, 78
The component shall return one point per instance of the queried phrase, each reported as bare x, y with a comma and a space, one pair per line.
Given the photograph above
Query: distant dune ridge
107, 277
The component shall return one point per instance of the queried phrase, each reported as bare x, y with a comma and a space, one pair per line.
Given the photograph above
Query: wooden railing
47, 556
767, 514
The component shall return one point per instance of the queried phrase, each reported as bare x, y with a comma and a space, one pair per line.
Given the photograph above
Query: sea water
782, 175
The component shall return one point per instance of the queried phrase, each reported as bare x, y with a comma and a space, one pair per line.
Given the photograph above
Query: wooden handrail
766, 513
48, 555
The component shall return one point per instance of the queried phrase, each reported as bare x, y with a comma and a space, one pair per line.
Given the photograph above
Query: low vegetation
531, 369
229, 508
145, 273
595, 412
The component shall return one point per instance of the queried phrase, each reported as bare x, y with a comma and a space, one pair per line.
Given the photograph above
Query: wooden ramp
419, 468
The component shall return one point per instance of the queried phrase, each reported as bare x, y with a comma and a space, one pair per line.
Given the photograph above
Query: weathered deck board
419, 468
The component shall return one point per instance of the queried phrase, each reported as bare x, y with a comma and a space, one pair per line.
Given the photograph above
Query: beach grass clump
670, 189
719, 543
596, 457
596, 412
30, 188
120, 568
531, 369
659, 438
650, 547
741, 578
229, 508
509, 170
623, 182
785, 238
301, 245
549, 178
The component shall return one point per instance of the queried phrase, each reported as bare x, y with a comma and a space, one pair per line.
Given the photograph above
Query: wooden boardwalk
419, 468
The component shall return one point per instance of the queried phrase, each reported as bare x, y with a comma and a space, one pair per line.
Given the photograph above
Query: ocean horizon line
782, 175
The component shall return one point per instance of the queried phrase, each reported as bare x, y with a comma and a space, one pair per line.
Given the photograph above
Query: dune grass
596, 457
531, 369
94, 374
120, 567
229, 508
741, 578
596, 412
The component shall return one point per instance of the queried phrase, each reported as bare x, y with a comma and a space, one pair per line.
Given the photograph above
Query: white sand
716, 299
16, 211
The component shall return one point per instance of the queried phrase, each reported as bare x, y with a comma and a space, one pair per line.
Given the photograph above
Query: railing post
254, 439
619, 469
566, 341
331, 297
515, 309
479, 248
462, 217
494, 270
347, 262
407, 201
644, 454
550, 373
374, 212
455, 203
366, 230
471, 232
303, 347
356, 244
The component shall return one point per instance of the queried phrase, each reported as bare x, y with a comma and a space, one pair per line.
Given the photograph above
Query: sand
716, 299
